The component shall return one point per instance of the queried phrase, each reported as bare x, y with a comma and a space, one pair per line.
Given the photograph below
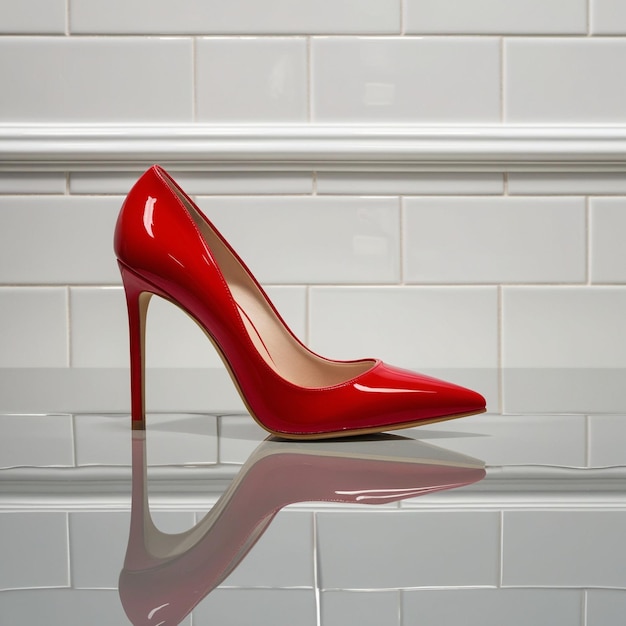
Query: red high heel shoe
166, 246
165, 576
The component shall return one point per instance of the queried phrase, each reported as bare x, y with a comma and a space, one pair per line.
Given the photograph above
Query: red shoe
165, 576
166, 246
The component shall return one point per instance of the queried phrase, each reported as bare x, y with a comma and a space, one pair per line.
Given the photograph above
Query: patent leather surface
165, 576
161, 250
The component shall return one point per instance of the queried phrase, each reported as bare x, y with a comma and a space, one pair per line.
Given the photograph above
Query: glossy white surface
608, 17
33, 327
548, 389
313, 240
566, 183
24, 539
407, 79
607, 434
495, 17
319, 563
236, 16
516, 439
585, 550
413, 549
33, 16
103, 440
99, 329
32, 182
604, 605
493, 607
103, 79
52, 447
608, 254
564, 327
564, 81
67, 607
411, 327
251, 80
494, 240
408, 183
364, 608
57, 239
280, 607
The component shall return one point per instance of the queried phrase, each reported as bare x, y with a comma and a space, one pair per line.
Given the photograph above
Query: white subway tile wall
361, 607
608, 17
411, 550
495, 240
24, 538
34, 16
238, 16
494, 17
405, 79
608, 253
261, 79
33, 332
57, 239
87, 79
564, 80
599, 562
491, 607
517, 280
314, 237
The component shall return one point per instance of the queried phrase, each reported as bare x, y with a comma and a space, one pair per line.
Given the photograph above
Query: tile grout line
402, 243
67, 18
501, 577
316, 572
307, 315
587, 441
74, 441
502, 112
70, 569
587, 240
500, 328
402, 18
194, 79
68, 325
309, 79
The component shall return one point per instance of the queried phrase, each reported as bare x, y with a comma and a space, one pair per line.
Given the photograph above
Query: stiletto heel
138, 294
166, 246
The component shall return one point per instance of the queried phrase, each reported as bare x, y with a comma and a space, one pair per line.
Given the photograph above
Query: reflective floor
491, 519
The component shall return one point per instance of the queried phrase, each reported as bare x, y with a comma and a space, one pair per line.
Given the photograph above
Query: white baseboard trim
312, 147
107, 488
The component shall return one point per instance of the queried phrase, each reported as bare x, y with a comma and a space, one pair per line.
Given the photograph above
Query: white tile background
433, 270
521, 275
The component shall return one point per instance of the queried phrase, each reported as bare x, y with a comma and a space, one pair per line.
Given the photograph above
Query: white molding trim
194, 488
308, 147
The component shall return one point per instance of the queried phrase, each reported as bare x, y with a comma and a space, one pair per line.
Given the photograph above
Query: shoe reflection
165, 576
